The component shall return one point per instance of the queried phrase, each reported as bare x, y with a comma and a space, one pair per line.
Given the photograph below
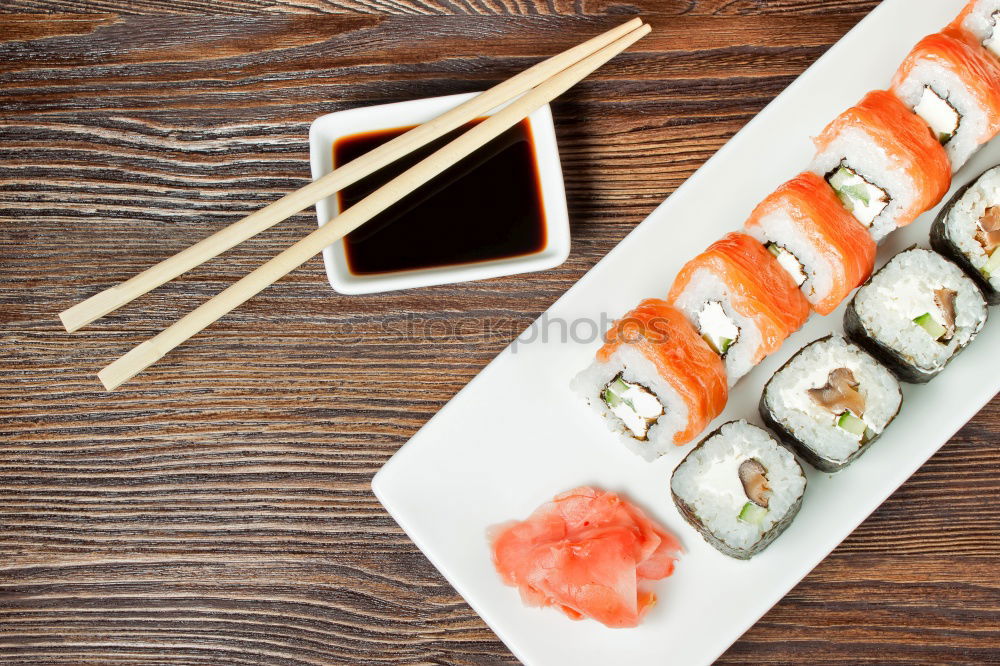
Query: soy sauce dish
500, 211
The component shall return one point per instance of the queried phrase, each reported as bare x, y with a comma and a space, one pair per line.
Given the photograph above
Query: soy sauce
488, 206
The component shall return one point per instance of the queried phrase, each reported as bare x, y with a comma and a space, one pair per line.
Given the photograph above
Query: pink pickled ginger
588, 552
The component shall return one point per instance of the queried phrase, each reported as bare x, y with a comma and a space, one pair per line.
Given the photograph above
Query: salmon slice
906, 139
962, 15
972, 34
958, 52
588, 553
759, 288
664, 336
834, 234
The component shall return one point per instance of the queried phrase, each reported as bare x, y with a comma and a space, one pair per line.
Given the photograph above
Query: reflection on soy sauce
488, 206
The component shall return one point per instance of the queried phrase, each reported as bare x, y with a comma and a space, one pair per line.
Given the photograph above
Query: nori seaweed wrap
916, 314
830, 402
739, 488
967, 231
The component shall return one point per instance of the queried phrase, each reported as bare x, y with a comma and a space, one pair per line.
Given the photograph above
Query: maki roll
979, 20
655, 381
830, 402
954, 85
916, 314
967, 231
739, 488
740, 300
821, 246
884, 163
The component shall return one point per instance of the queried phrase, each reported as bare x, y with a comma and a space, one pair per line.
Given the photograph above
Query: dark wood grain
218, 510
798, 8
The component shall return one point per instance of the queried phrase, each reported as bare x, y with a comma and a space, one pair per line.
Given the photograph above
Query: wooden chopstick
113, 298
198, 319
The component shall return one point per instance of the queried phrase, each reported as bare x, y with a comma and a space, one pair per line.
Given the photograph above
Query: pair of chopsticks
532, 88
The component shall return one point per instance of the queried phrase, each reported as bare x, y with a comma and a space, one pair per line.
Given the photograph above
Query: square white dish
327, 129
496, 451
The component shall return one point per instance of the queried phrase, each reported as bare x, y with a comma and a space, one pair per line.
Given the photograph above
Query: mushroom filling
717, 328
789, 262
840, 396
940, 324
753, 477
634, 404
864, 199
993, 41
988, 235
939, 114
988, 229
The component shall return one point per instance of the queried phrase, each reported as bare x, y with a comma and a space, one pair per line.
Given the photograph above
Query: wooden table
217, 510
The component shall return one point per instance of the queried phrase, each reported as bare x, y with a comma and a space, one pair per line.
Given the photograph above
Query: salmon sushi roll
979, 21
740, 300
820, 245
954, 85
655, 382
884, 163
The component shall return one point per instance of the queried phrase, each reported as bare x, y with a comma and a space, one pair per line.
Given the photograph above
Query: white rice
704, 287
980, 22
865, 156
962, 220
974, 119
787, 396
707, 480
779, 227
636, 369
904, 290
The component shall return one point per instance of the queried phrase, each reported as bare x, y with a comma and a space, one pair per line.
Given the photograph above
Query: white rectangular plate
516, 435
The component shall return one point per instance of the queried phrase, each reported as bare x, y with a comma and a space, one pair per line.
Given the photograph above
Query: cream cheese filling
719, 331
938, 113
865, 200
635, 405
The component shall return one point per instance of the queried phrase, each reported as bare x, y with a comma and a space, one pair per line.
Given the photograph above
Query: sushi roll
884, 163
740, 300
830, 402
916, 314
821, 246
979, 20
655, 381
967, 231
739, 489
954, 85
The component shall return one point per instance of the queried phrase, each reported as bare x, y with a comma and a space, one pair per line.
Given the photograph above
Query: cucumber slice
724, 345
934, 329
840, 178
857, 192
849, 194
614, 394
774, 249
753, 514
992, 266
618, 385
721, 346
838, 181
846, 200
852, 424
610, 398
